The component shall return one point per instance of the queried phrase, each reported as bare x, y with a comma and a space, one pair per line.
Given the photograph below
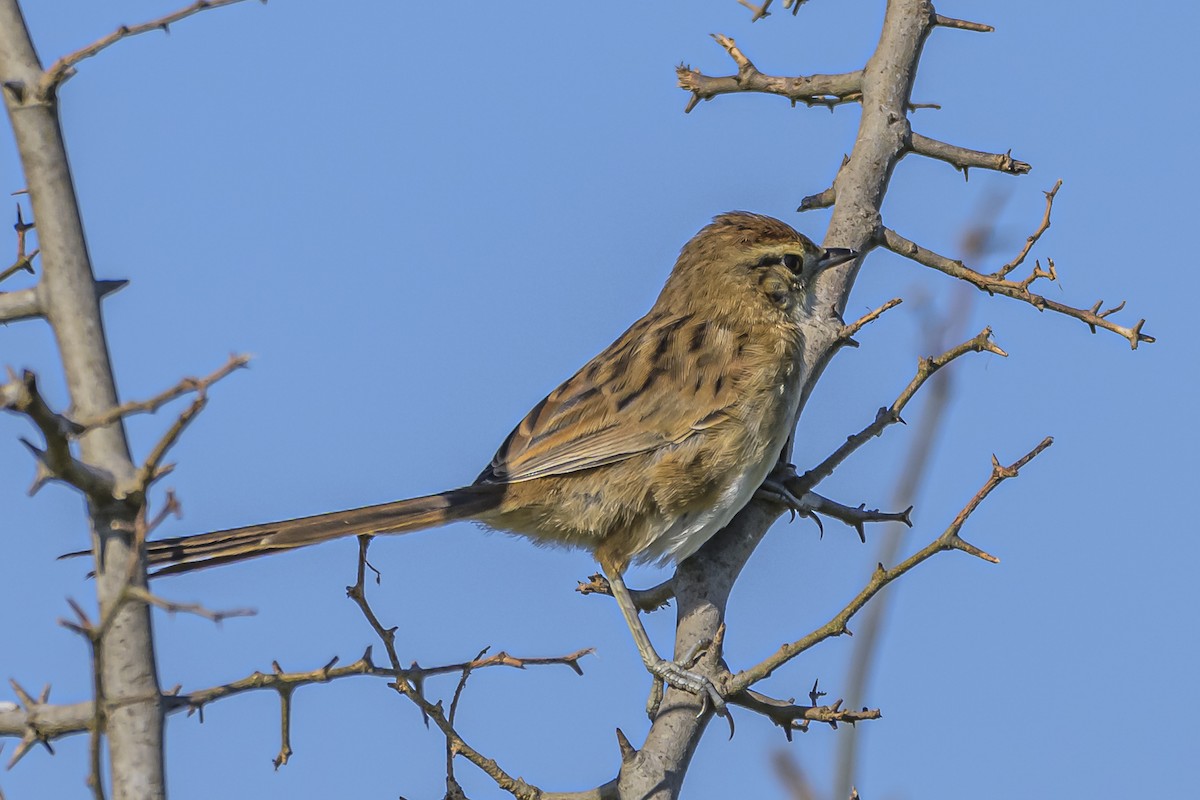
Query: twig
1094, 317
30, 732
64, 68
153, 404
56, 462
515, 786
23, 264
854, 517
172, 607
963, 158
961, 24
760, 12
452, 786
949, 540
24, 260
827, 197
1032, 239
866, 319
982, 342
791, 717
812, 90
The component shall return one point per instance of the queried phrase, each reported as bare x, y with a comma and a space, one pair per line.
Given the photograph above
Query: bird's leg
666, 671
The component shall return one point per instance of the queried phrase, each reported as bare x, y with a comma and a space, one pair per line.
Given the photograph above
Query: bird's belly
686, 533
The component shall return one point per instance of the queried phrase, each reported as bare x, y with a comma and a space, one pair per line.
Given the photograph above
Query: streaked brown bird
644, 453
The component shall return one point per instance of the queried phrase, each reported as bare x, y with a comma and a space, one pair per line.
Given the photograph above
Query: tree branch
926, 367
812, 90
949, 540
64, 68
1095, 317
962, 158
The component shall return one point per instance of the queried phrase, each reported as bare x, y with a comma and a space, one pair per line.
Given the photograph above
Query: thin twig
64, 68
1032, 239
153, 404
1095, 317
172, 607
866, 319
980, 343
961, 24
791, 717
515, 786
949, 540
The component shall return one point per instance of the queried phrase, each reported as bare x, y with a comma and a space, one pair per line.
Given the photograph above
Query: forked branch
998, 283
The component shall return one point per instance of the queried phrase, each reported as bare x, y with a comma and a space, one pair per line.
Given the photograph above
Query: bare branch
866, 319
515, 786
153, 404
826, 198
760, 12
791, 717
854, 517
1032, 239
962, 158
19, 305
26, 304
980, 343
822, 199
812, 90
64, 68
1018, 290
24, 263
949, 540
961, 24
172, 607
56, 462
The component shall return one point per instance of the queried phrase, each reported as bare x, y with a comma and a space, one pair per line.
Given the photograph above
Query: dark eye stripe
790, 260
768, 261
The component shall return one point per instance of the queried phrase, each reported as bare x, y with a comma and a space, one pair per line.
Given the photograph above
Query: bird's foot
678, 677
775, 488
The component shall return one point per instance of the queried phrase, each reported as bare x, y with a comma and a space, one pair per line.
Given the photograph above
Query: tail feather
187, 553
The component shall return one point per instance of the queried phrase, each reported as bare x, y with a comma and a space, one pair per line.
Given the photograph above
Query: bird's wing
667, 378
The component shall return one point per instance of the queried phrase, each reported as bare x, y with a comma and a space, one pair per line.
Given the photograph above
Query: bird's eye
792, 262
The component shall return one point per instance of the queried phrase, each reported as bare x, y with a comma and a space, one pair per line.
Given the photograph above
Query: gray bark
130, 704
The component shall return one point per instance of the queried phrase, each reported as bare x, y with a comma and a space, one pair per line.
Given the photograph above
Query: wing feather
667, 378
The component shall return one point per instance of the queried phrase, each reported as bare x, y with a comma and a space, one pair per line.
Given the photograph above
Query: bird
643, 454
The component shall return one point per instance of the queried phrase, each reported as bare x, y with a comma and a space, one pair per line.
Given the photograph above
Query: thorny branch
63, 69
153, 404
24, 261
791, 717
998, 283
812, 90
411, 688
963, 158
980, 343
56, 462
866, 319
949, 540
42, 721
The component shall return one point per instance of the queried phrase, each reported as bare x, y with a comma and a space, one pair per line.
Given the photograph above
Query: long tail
187, 553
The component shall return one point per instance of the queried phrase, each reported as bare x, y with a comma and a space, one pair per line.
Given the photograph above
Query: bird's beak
834, 256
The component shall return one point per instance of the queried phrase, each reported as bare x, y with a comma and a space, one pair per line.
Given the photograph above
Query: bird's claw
678, 677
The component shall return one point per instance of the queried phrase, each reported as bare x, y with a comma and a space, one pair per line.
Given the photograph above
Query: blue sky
420, 217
